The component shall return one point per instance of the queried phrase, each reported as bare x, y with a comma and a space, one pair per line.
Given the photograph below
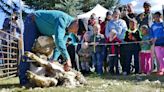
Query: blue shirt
73, 41
157, 31
54, 22
120, 27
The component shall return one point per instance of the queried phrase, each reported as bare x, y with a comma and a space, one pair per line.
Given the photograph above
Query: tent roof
99, 10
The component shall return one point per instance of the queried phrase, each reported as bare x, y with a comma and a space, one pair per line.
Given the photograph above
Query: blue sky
137, 4
125, 1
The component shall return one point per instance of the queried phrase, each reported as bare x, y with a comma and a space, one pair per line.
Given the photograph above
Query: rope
93, 43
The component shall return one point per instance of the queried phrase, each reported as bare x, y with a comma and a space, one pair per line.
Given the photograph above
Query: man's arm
107, 29
57, 53
59, 38
124, 29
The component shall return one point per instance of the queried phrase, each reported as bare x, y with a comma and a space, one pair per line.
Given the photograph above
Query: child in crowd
85, 58
132, 35
157, 35
85, 54
113, 51
145, 53
98, 50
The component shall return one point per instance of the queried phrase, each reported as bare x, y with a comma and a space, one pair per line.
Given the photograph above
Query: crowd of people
124, 37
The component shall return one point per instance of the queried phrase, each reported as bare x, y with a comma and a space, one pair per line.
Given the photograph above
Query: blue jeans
97, 62
30, 34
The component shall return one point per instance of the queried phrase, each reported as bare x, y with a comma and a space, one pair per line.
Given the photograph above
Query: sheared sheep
44, 73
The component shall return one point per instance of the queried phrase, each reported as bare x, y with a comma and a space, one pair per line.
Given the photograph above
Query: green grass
106, 83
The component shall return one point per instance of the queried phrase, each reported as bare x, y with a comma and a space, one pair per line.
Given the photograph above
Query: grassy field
106, 83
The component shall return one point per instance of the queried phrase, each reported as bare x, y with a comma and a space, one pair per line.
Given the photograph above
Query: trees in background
8, 8
73, 7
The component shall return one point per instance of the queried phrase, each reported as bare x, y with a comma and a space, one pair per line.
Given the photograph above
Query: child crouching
85, 58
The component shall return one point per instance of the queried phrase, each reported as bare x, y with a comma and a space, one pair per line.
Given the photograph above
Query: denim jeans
30, 34
97, 62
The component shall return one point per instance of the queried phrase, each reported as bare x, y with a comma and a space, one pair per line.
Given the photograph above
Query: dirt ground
105, 83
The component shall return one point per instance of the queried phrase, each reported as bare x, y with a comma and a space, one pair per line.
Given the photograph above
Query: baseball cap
117, 11
93, 16
146, 4
109, 13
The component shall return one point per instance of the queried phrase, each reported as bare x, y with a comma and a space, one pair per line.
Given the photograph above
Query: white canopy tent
99, 10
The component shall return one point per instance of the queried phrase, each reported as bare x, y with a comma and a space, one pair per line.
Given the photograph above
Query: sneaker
160, 73
117, 73
99, 75
124, 73
92, 69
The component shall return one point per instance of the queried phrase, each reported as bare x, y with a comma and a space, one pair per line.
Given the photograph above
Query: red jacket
103, 26
113, 48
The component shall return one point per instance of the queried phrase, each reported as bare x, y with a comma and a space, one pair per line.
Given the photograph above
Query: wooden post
21, 28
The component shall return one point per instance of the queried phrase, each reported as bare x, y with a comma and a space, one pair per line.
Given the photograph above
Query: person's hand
130, 36
133, 38
141, 43
96, 43
142, 16
87, 55
153, 40
67, 65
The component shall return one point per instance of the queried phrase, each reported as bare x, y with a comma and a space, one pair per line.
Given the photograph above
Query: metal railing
9, 54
